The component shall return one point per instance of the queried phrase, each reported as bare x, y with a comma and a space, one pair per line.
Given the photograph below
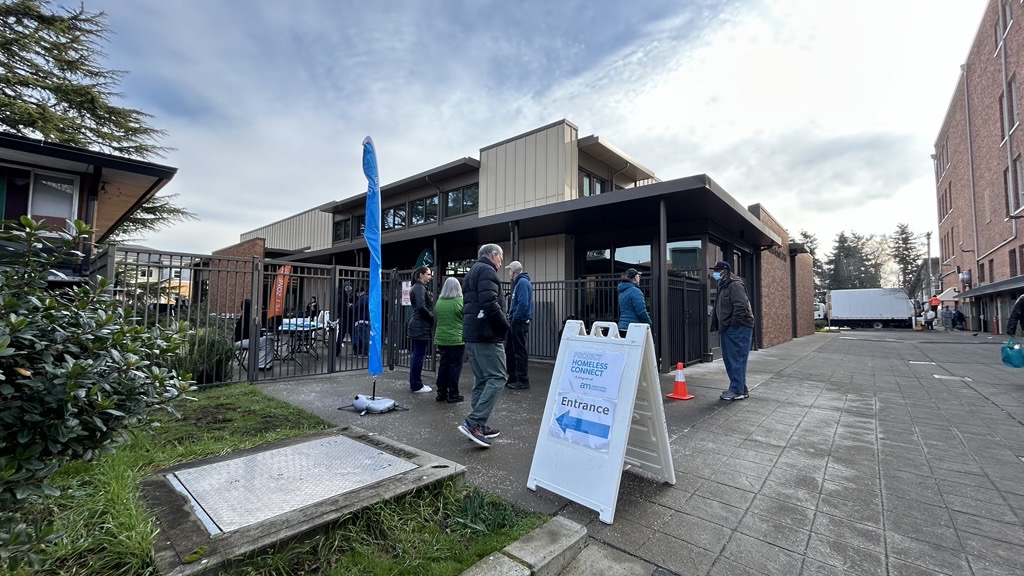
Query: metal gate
686, 314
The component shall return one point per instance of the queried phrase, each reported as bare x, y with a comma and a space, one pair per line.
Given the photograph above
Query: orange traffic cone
679, 387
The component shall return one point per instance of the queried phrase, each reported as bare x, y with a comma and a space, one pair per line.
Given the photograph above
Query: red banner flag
275, 306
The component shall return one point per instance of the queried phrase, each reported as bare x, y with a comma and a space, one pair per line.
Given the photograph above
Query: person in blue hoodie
520, 312
631, 302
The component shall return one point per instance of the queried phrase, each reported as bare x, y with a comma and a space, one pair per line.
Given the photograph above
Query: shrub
208, 358
75, 374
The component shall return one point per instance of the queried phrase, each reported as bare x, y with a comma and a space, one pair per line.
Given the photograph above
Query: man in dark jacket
520, 312
734, 321
484, 327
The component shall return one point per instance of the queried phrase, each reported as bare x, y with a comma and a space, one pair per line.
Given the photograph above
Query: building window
1003, 113
1007, 188
53, 199
463, 200
1013, 263
360, 225
991, 271
981, 272
393, 217
423, 210
1014, 102
591, 185
342, 230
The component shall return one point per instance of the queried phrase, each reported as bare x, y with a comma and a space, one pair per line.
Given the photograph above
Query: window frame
422, 204
347, 222
473, 208
75, 187
592, 183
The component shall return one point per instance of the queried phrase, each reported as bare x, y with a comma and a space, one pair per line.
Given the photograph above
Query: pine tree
52, 87
907, 255
856, 262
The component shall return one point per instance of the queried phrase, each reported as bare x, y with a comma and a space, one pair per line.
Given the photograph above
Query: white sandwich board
603, 411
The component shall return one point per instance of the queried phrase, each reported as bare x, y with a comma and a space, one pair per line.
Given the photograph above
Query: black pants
515, 353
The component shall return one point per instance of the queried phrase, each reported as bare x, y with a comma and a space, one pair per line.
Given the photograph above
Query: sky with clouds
823, 111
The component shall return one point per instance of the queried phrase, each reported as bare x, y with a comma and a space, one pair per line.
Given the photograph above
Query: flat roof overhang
1007, 285
430, 177
695, 199
134, 180
615, 158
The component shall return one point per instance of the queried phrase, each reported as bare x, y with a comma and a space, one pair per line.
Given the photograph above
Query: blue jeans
487, 359
735, 341
419, 352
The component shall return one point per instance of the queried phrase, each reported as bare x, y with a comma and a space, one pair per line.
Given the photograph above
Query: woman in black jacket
421, 326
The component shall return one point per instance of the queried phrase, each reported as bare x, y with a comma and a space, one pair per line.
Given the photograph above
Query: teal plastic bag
1012, 354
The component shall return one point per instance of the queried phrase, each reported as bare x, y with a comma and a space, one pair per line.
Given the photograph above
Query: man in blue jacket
520, 312
484, 327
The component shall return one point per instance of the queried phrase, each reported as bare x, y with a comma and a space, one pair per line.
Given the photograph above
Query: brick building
979, 173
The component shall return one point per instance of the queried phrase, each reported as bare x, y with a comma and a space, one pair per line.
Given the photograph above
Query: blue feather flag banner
372, 235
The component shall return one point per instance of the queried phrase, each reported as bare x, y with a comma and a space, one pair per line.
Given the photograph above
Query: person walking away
448, 338
361, 323
421, 326
484, 327
929, 318
947, 319
520, 312
631, 302
734, 321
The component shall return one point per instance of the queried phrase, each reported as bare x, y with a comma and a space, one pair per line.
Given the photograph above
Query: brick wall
231, 276
802, 275
776, 319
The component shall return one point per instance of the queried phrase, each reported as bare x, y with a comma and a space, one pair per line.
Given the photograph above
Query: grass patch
435, 531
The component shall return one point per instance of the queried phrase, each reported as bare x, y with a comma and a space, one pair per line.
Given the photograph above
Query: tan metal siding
536, 169
312, 229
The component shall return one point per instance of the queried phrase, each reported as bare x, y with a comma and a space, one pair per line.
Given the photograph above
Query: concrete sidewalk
863, 452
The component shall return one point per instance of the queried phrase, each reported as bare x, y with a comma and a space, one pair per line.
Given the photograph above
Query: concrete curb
545, 551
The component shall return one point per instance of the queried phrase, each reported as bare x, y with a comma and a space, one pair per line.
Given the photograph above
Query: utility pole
931, 288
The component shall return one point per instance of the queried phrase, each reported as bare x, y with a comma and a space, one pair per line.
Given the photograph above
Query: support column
661, 289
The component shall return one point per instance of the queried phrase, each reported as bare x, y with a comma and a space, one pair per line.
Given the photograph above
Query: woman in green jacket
448, 339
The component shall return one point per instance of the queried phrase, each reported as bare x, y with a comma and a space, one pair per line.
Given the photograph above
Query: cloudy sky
824, 111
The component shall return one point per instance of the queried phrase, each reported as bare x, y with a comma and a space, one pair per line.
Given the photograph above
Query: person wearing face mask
631, 302
734, 321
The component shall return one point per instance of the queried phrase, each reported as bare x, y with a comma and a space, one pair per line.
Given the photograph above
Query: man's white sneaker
423, 390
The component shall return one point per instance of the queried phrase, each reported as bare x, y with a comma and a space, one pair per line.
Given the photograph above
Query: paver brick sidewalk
862, 453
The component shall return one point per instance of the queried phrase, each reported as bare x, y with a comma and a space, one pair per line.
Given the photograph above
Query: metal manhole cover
246, 490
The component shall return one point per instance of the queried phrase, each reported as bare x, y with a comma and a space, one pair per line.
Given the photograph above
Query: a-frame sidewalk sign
603, 411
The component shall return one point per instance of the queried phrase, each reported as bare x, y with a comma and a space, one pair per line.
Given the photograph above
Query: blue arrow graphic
579, 424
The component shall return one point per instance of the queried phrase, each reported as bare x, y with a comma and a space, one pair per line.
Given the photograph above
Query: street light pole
931, 288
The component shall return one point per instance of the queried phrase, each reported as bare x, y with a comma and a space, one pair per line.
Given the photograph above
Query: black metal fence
291, 337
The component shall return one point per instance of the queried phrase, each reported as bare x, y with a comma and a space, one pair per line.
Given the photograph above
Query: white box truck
869, 308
